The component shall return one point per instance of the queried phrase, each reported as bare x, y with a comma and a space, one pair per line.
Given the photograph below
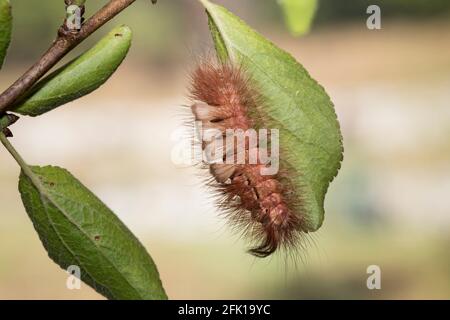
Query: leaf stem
63, 44
20, 161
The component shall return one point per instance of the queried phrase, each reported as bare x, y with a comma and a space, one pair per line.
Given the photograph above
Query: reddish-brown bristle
223, 99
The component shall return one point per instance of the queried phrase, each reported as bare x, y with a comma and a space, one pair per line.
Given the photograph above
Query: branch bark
63, 44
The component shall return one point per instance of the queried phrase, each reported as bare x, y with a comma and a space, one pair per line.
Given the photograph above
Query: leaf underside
294, 103
76, 228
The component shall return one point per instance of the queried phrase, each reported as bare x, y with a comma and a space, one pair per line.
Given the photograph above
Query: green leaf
310, 139
299, 15
5, 28
79, 77
76, 228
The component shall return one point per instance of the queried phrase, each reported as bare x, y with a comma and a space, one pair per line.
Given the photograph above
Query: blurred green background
389, 205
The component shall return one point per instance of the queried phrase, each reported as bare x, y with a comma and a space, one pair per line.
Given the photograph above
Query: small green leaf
310, 138
5, 28
299, 15
79, 77
76, 228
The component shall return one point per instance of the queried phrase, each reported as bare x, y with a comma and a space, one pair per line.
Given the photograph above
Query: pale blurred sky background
389, 206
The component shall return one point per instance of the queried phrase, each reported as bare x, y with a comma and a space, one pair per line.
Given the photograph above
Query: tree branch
64, 43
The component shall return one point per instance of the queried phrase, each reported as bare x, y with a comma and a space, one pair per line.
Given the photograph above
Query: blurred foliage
331, 10
164, 31
42, 21
299, 15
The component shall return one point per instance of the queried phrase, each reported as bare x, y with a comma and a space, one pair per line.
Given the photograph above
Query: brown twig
64, 43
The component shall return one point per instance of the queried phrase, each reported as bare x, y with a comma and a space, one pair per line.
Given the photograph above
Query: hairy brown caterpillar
263, 205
